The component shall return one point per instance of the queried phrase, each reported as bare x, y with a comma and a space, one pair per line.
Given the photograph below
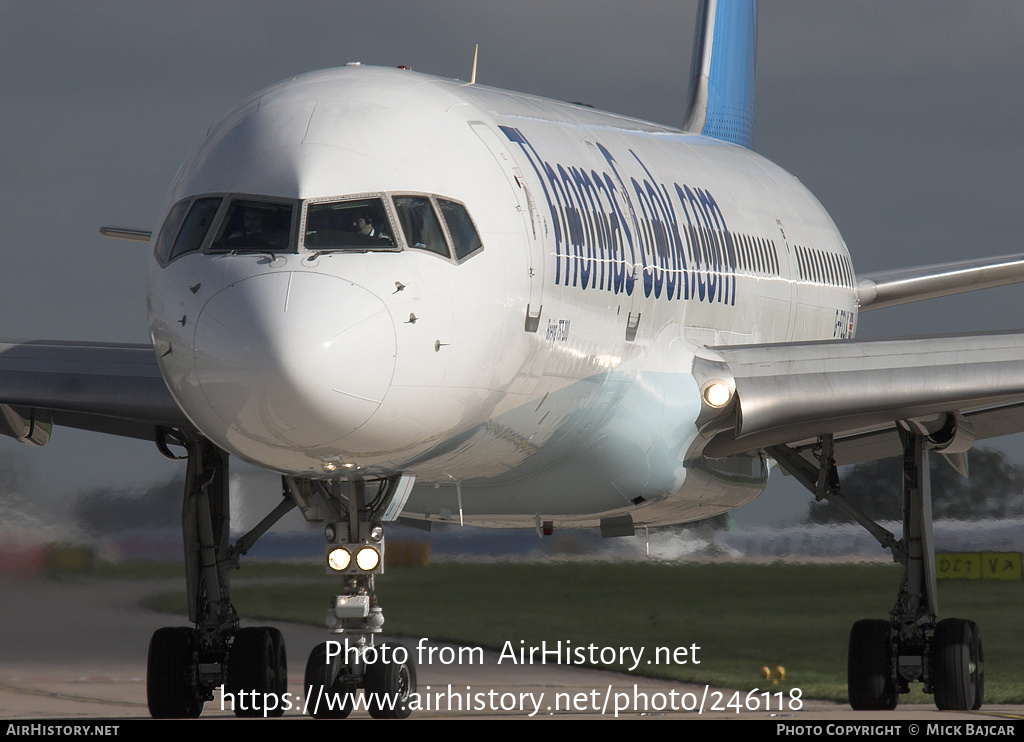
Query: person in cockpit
363, 223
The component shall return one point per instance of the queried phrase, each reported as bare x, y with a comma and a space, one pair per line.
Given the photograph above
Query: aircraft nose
294, 359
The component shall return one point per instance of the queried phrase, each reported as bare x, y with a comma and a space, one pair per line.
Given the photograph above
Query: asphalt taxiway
77, 650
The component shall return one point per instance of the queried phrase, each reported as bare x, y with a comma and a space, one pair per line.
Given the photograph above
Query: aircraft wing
890, 288
105, 387
856, 390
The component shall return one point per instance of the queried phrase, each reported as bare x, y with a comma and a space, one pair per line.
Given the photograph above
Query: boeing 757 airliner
424, 299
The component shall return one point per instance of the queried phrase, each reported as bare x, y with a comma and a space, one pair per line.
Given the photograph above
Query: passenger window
420, 225
460, 227
255, 226
169, 230
359, 224
197, 224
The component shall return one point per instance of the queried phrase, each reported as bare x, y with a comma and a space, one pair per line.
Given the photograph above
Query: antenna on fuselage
472, 77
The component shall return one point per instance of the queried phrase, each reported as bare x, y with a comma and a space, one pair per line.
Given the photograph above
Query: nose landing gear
338, 669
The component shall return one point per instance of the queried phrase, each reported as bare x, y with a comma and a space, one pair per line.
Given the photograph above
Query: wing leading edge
104, 387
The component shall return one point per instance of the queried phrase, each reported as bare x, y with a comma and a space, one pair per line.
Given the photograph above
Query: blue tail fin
722, 71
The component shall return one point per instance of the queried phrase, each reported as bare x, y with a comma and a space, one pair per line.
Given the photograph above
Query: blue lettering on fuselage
605, 232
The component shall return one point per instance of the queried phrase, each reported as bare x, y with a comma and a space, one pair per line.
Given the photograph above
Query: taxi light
717, 394
339, 559
367, 559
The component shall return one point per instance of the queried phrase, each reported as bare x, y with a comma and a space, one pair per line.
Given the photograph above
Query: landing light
339, 559
717, 394
367, 559
355, 559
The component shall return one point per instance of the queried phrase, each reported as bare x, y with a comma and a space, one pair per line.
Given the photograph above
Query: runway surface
77, 650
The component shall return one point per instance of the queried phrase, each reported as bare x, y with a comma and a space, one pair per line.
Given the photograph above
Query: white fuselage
545, 376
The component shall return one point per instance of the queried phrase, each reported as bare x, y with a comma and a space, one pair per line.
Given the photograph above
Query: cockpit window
420, 224
170, 230
197, 224
464, 235
357, 224
255, 226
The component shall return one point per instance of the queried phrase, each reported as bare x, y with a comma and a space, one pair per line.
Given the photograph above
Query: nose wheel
327, 697
335, 672
390, 683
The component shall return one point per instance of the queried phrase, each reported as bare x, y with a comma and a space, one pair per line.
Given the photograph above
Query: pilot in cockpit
252, 222
363, 223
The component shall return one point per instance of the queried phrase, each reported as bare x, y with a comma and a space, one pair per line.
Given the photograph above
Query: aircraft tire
393, 681
253, 666
953, 681
280, 671
869, 667
319, 682
170, 674
978, 662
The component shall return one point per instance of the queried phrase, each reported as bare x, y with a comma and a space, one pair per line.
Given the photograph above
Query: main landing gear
186, 665
885, 656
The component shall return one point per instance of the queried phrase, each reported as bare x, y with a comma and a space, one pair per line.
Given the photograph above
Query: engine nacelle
26, 424
947, 433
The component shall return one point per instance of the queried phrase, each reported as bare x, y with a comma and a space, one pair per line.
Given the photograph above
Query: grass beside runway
741, 616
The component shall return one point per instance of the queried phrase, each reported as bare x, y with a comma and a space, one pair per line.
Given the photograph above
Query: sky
903, 118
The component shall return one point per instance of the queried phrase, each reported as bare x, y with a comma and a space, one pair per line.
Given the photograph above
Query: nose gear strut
337, 669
